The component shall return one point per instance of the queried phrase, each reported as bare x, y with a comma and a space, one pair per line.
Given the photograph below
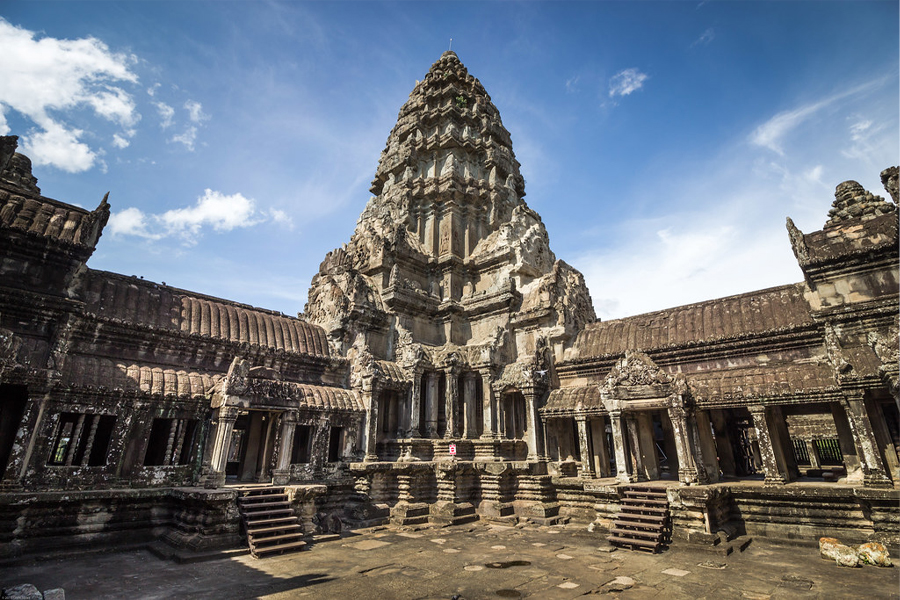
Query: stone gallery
446, 368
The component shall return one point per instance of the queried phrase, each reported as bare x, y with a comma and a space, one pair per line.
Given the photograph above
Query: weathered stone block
844, 556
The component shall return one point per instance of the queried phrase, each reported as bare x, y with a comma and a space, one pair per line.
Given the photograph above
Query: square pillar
634, 442
415, 399
624, 471
221, 433
874, 474
370, 428
599, 451
452, 404
470, 426
488, 406
533, 438
687, 467
586, 468
431, 404
282, 473
769, 448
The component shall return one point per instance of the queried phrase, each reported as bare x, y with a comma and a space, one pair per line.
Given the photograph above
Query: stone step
642, 544
646, 494
645, 501
656, 510
637, 525
650, 519
631, 534
263, 530
259, 522
253, 500
254, 507
278, 548
277, 511
260, 542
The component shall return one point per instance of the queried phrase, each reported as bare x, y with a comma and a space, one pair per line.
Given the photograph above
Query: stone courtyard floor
467, 562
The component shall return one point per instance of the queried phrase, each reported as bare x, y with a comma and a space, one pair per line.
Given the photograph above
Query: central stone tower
447, 250
447, 299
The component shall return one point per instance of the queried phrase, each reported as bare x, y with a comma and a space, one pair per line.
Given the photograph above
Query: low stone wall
49, 521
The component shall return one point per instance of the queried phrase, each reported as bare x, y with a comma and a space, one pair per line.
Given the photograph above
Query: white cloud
151, 91
47, 76
166, 114
131, 221
215, 210
59, 147
187, 138
195, 111
572, 84
281, 217
120, 142
705, 38
625, 82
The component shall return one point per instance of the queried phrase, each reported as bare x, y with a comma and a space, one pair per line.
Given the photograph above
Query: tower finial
451, 45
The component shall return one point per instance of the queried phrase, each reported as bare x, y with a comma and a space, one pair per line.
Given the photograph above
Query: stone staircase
269, 521
643, 521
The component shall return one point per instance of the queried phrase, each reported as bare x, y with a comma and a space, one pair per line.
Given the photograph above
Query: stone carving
852, 201
798, 242
889, 179
635, 368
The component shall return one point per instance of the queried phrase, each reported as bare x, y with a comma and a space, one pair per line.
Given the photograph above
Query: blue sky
663, 143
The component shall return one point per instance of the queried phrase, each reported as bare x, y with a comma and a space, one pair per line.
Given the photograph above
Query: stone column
687, 467
599, 449
706, 446
222, 428
623, 468
431, 405
415, 399
586, 469
488, 406
452, 404
533, 438
639, 473
874, 474
770, 463
470, 429
649, 455
723, 443
370, 428
282, 473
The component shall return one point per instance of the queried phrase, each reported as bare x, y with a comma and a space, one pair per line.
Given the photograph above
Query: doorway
13, 399
251, 448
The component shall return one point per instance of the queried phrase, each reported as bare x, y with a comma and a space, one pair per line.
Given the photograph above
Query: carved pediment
636, 369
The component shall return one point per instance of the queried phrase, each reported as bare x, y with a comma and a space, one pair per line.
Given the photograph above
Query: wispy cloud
572, 84
213, 210
195, 111
166, 114
186, 138
705, 38
45, 78
626, 82
771, 133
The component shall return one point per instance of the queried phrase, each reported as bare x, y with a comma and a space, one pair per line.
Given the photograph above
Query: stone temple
447, 368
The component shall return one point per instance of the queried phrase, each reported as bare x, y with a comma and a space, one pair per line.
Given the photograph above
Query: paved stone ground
471, 562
